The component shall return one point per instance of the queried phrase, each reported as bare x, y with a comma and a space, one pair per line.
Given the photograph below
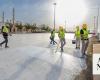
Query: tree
45, 27
27, 26
19, 26
34, 27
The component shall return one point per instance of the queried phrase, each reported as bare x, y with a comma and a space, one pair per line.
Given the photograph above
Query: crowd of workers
81, 35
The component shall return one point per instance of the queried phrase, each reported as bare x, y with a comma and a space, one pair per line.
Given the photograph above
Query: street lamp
54, 13
3, 17
97, 19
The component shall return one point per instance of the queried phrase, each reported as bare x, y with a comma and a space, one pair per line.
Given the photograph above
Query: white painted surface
30, 58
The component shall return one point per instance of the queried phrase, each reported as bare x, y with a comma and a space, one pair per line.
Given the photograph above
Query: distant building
1, 26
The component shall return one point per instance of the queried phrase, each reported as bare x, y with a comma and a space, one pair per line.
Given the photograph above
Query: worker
52, 37
61, 35
5, 31
85, 40
77, 36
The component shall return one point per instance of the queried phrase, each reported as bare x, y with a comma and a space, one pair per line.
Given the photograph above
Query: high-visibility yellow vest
5, 29
77, 34
61, 34
85, 35
53, 34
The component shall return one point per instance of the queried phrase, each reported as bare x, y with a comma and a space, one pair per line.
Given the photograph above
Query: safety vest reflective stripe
85, 35
77, 34
5, 29
61, 34
53, 34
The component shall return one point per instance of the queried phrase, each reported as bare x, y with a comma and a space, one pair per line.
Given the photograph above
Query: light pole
54, 13
97, 19
13, 18
94, 25
65, 24
3, 17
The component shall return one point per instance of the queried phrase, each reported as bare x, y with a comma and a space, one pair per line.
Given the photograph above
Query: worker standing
61, 35
77, 36
52, 37
84, 37
5, 31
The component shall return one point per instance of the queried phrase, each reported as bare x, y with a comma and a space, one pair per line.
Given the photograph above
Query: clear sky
34, 11
39, 11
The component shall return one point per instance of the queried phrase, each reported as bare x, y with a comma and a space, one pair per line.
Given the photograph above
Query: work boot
84, 55
50, 42
53, 43
62, 50
6, 46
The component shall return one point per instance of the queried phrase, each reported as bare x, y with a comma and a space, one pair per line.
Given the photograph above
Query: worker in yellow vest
5, 31
61, 35
78, 37
85, 40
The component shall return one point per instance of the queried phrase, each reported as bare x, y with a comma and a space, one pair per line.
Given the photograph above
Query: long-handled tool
57, 46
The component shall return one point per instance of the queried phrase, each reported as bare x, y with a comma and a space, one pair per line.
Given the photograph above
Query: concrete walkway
35, 63
39, 63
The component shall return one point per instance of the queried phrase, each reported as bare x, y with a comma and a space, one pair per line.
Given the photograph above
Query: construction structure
14, 29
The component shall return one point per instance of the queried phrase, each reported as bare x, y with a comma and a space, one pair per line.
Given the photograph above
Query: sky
38, 11
29, 11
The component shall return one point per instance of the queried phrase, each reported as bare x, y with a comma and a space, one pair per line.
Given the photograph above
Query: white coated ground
31, 58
